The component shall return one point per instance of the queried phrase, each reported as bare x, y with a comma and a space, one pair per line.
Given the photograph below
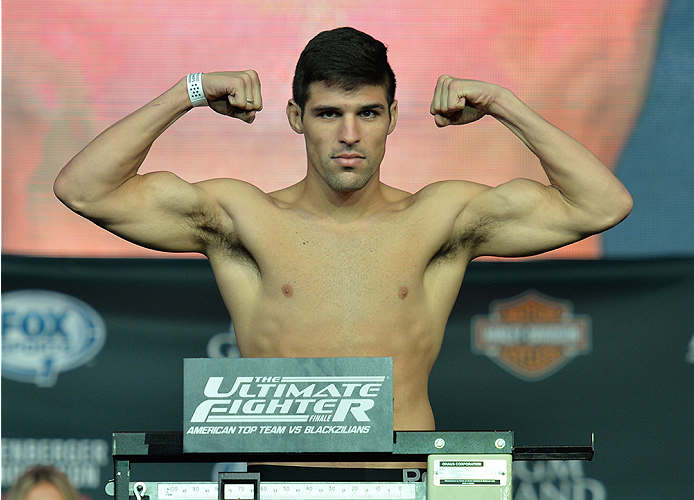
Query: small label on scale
238, 491
184, 491
470, 472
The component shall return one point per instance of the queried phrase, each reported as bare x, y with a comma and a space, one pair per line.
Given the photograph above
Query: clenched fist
457, 101
234, 93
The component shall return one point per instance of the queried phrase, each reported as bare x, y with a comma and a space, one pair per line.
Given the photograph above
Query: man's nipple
287, 290
403, 292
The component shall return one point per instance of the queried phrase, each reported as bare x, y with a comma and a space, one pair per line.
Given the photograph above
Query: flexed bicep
520, 218
160, 211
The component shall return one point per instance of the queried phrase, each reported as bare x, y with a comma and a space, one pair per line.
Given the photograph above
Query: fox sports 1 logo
45, 333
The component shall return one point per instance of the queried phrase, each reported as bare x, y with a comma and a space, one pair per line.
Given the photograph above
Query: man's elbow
67, 192
617, 208
603, 214
624, 206
61, 188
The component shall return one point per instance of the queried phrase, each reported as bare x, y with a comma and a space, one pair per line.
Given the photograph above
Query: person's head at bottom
43, 482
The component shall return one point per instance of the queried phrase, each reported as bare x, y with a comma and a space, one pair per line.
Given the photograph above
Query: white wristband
195, 92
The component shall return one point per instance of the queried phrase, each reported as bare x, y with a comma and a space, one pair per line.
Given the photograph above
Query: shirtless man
341, 264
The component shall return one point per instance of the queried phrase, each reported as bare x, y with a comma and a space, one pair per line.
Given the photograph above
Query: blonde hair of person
42, 474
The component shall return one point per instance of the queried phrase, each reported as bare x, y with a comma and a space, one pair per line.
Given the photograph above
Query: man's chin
348, 182
349, 187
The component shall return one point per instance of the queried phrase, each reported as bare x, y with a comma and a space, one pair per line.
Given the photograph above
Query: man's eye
369, 113
328, 114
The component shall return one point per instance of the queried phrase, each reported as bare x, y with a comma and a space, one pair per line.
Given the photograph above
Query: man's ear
393, 116
294, 117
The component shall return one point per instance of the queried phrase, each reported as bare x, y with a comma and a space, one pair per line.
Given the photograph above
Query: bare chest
361, 262
318, 289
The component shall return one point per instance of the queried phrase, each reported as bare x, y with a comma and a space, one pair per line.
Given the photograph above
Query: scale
466, 465
336, 410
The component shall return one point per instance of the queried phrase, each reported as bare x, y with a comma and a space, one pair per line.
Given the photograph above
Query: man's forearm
582, 179
117, 153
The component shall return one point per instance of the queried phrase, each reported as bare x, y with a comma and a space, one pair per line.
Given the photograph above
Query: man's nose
349, 130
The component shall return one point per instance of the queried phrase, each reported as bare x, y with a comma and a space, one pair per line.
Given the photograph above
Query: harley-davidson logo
531, 335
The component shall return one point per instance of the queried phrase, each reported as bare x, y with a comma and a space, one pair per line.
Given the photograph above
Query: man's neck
343, 207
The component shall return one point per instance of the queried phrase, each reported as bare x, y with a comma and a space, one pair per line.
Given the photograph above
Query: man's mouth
348, 160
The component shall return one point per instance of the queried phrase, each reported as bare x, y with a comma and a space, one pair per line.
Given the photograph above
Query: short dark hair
344, 57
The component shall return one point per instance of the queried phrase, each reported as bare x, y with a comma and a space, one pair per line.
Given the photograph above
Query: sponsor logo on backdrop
531, 335
45, 333
554, 479
80, 459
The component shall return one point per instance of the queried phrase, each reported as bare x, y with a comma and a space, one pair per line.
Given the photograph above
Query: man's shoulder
435, 190
450, 190
232, 191
225, 183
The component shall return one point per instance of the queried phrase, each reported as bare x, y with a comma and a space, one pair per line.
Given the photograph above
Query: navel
287, 290
403, 292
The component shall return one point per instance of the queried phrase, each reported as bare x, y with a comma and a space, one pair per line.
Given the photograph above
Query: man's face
345, 133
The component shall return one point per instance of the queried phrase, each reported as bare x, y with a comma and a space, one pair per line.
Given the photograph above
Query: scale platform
460, 466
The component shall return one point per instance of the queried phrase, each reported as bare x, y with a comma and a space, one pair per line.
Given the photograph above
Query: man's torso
298, 285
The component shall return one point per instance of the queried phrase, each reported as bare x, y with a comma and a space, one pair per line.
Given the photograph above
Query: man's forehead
321, 93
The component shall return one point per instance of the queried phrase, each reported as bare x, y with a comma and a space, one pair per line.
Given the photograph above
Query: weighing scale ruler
278, 491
